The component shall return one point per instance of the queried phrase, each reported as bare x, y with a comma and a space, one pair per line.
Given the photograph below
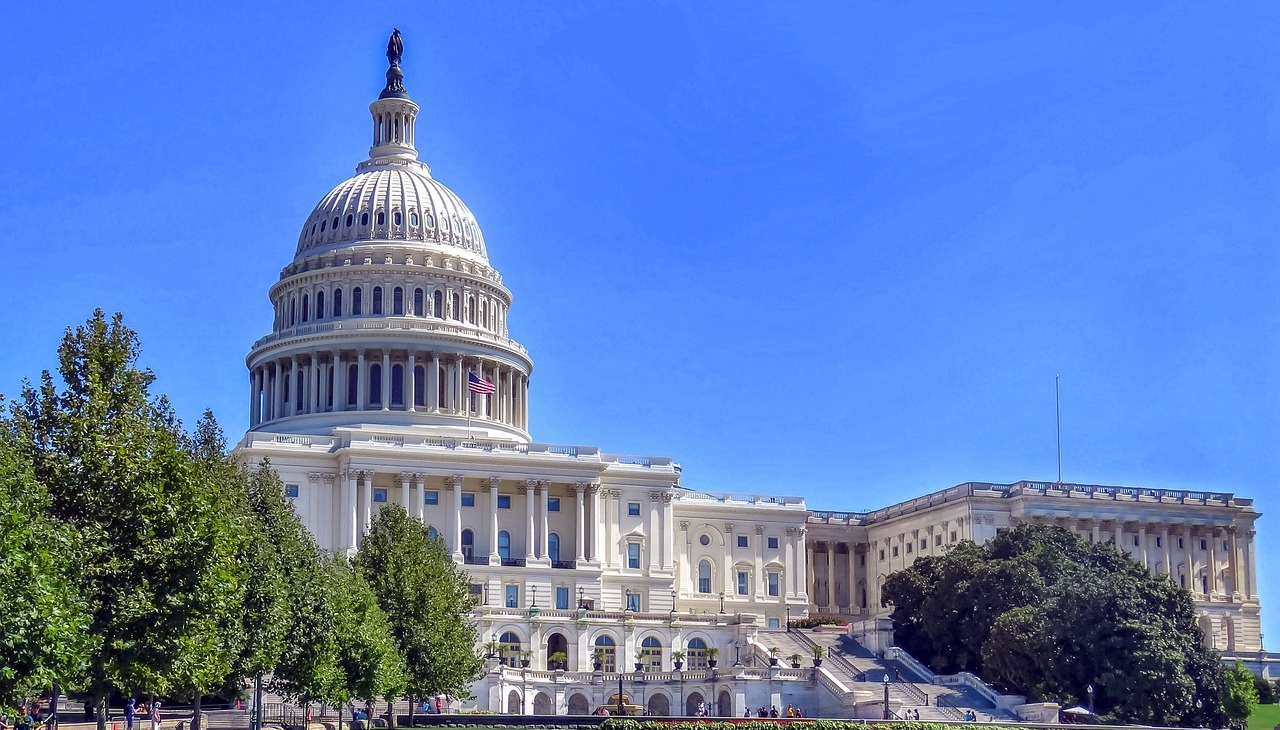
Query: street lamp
581, 602
534, 590
721, 601
788, 626
737, 653
627, 605
1089, 690
622, 655
886, 695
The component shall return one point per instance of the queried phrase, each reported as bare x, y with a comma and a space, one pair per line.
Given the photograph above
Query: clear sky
810, 250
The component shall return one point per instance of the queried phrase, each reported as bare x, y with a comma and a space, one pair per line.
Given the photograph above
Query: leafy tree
155, 554
370, 665
42, 617
1040, 612
1266, 690
426, 598
1241, 696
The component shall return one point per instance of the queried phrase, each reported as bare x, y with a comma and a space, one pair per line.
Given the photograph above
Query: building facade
390, 377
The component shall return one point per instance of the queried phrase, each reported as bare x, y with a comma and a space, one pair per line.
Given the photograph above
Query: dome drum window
350, 220
364, 218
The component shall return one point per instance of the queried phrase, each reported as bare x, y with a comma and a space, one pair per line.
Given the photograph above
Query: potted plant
525, 656
818, 654
491, 649
773, 656
712, 653
677, 660
597, 659
639, 666
795, 661
558, 660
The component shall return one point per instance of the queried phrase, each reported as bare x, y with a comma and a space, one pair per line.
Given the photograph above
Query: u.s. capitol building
390, 377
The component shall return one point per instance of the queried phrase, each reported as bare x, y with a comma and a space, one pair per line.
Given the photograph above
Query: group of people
791, 711
27, 716
134, 709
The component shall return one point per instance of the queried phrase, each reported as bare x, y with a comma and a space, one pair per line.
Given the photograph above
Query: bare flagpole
1057, 405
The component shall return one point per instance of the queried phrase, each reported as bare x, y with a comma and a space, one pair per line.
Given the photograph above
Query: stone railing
736, 498
390, 323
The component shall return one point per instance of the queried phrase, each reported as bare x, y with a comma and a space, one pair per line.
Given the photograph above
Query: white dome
392, 202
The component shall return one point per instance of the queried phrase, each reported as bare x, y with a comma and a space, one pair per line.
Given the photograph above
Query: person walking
130, 710
155, 715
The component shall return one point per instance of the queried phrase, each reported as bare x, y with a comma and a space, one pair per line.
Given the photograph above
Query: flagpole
1057, 406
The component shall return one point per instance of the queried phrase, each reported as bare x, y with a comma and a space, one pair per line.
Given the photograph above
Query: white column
808, 570
1142, 540
1188, 554
1250, 565
461, 401
831, 572
386, 379
1124, 550
433, 383
1097, 532
339, 383
654, 498
1212, 569
362, 381
664, 533
411, 398
293, 386
544, 538
253, 398
853, 578
456, 483
494, 558
612, 507
531, 535
1168, 550
405, 478
315, 383
580, 519
421, 501
349, 514
366, 501
1233, 564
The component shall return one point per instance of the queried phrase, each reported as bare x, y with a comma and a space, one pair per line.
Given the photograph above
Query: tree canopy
1041, 612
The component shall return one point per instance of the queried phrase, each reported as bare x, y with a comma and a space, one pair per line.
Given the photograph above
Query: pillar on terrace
580, 523
1142, 540
529, 490
362, 382
455, 483
544, 530
494, 557
405, 479
1168, 550
853, 577
411, 398
339, 383
366, 497
594, 543
315, 383
1212, 568
421, 500
349, 520
386, 380
808, 569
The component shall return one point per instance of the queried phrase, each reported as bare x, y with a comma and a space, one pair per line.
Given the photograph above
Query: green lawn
1264, 717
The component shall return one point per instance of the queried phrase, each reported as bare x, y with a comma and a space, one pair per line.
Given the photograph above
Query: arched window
509, 648
396, 217
353, 376
704, 576
413, 218
397, 385
437, 303
417, 302
606, 653
377, 300
553, 547
350, 220
364, 218
419, 385
293, 312
335, 223
397, 302
299, 385
357, 306
323, 223
382, 218
651, 654
504, 545
337, 302
457, 307
432, 532
696, 654
375, 384
319, 305
468, 543
471, 310
306, 307
442, 399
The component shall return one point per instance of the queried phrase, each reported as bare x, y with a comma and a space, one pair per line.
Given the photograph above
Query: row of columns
852, 604
459, 304
274, 385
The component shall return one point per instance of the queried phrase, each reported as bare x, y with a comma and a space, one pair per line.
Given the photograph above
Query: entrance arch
556, 643
513, 704
579, 704
542, 704
691, 703
659, 705
725, 705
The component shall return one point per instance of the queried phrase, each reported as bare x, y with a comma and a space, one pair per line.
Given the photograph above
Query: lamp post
886, 695
581, 602
1089, 690
626, 606
737, 653
622, 655
721, 601
788, 626
534, 590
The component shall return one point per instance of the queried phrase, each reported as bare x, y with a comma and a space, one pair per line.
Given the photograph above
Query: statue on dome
395, 48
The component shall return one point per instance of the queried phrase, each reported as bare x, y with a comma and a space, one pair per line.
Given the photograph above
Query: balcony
564, 564
513, 562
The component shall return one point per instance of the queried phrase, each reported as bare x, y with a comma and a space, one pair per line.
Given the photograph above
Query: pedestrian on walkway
130, 709
155, 715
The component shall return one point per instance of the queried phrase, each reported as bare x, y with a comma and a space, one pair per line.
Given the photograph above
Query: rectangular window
953, 536
504, 501
433, 498
633, 555
1179, 543
1224, 545
937, 540
774, 579
380, 496
553, 504
477, 592
895, 551
773, 543
513, 597
291, 491
1159, 542
923, 543
774, 623
742, 541
633, 601
744, 582
1203, 546
468, 499
562, 598
633, 509
862, 560
1135, 541
909, 546
882, 553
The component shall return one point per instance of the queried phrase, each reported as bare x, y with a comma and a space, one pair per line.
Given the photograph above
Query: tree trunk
101, 702
413, 705
391, 714
196, 720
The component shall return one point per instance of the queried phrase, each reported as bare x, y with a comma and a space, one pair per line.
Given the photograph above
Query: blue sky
819, 250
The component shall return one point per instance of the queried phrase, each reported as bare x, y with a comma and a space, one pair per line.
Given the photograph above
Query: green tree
427, 600
1038, 611
1241, 696
371, 667
155, 556
43, 620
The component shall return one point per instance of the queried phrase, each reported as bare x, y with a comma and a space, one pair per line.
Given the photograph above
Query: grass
1264, 717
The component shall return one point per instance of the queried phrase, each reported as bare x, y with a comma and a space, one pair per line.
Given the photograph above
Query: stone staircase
863, 673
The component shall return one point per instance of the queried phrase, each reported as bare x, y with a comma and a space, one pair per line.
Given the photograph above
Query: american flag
476, 384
